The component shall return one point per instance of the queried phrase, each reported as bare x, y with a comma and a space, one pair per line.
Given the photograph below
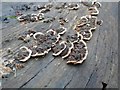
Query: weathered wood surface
50, 72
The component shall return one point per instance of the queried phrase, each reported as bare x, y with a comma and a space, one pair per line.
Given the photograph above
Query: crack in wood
104, 85
48, 83
68, 82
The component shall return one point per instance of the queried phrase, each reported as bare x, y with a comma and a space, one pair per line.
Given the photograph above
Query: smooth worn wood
101, 65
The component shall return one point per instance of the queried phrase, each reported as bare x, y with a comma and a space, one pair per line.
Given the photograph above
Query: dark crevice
49, 63
89, 79
48, 83
104, 85
68, 82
